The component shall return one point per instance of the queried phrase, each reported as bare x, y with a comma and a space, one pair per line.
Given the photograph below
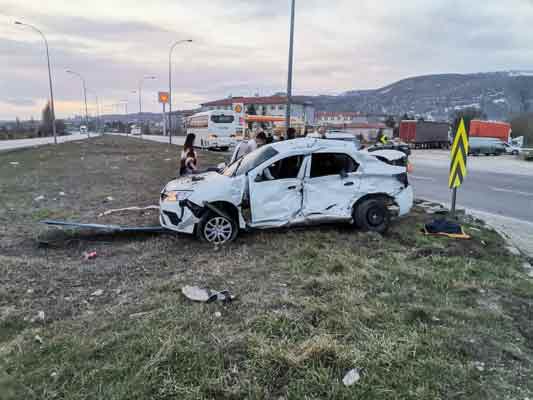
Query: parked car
487, 146
293, 182
510, 149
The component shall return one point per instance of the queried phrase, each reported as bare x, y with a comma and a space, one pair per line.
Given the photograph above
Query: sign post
163, 99
459, 156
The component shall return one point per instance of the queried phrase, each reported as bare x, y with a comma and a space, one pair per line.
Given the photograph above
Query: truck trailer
490, 129
424, 134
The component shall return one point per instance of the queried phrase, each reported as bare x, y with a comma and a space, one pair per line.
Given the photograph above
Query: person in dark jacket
188, 156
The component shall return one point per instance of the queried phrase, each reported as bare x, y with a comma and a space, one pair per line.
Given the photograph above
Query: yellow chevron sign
458, 169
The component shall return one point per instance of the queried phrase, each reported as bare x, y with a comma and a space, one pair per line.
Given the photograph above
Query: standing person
244, 148
291, 133
188, 153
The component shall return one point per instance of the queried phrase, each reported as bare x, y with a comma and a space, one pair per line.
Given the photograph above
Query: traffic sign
384, 139
163, 97
459, 156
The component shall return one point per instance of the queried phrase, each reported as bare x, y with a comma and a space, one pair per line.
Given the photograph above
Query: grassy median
419, 317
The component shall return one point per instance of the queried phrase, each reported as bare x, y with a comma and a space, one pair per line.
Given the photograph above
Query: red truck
490, 129
424, 134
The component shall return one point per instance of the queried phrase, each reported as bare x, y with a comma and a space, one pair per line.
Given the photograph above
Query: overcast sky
240, 47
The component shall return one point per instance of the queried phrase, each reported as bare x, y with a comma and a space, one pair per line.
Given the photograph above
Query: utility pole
170, 87
52, 106
140, 98
85, 97
291, 58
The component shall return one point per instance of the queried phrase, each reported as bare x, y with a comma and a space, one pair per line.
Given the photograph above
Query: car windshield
245, 164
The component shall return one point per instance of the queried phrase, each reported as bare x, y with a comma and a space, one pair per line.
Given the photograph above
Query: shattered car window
286, 168
326, 164
250, 161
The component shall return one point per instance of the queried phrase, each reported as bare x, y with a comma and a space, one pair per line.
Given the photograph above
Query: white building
271, 105
340, 118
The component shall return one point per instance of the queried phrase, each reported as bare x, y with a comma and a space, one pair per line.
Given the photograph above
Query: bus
214, 130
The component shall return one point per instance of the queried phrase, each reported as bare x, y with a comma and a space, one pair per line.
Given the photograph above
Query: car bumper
405, 200
173, 217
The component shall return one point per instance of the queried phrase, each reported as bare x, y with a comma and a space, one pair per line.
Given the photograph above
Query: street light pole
52, 107
141, 81
289, 80
125, 103
84, 96
170, 86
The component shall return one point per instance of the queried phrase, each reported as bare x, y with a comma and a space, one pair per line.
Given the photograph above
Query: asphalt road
22, 143
504, 194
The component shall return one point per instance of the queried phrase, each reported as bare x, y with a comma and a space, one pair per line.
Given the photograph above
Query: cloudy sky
240, 47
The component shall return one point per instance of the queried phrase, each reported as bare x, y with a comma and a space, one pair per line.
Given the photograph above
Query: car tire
372, 215
216, 229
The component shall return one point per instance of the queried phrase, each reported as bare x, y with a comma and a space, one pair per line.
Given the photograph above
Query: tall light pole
52, 107
141, 81
170, 86
125, 103
289, 80
84, 95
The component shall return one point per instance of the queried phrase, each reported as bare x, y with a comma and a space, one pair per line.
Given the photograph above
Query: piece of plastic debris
90, 255
38, 339
483, 243
40, 315
195, 293
118, 210
39, 198
53, 374
62, 193
443, 227
353, 376
218, 314
97, 293
109, 198
168, 159
480, 366
14, 163
29, 291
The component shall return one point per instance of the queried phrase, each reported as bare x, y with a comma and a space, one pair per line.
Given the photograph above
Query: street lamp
170, 86
52, 108
125, 103
141, 81
68, 71
289, 80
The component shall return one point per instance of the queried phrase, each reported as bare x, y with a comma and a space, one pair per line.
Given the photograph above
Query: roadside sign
459, 156
163, 97
384, 139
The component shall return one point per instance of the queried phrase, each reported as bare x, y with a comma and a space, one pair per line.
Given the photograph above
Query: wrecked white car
294, 182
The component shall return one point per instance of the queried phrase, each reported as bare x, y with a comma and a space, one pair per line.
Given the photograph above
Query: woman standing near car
188, 159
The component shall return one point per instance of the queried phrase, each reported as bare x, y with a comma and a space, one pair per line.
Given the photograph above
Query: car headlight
176, 195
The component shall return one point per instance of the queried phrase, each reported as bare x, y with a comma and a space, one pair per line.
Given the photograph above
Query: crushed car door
276, 191
331, 186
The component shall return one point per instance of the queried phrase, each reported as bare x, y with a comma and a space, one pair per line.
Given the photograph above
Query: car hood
195, 182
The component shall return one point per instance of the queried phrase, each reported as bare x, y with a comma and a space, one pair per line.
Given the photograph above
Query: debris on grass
97, 293
197, 294
40, 316
62, 194
39, 198
38, 339
443, 227
14, 163
90, 255
109, 198
353, 376
120, 210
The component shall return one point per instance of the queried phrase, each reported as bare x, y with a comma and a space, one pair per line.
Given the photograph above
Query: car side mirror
259, 177
343, 174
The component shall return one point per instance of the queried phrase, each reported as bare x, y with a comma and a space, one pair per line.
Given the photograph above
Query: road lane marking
422, 178
518, 192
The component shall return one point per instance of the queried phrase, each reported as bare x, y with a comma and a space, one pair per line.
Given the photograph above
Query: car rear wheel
216, 229
373, 215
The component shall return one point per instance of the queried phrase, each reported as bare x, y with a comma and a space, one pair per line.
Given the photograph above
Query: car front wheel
373, 215
216, 229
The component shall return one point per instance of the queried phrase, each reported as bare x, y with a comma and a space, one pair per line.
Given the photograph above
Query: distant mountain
497, 94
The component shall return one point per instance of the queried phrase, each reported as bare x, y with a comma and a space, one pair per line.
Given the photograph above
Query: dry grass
420, 317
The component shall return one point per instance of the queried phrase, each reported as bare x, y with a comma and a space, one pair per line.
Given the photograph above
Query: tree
60, 127
17, 124
46, 121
